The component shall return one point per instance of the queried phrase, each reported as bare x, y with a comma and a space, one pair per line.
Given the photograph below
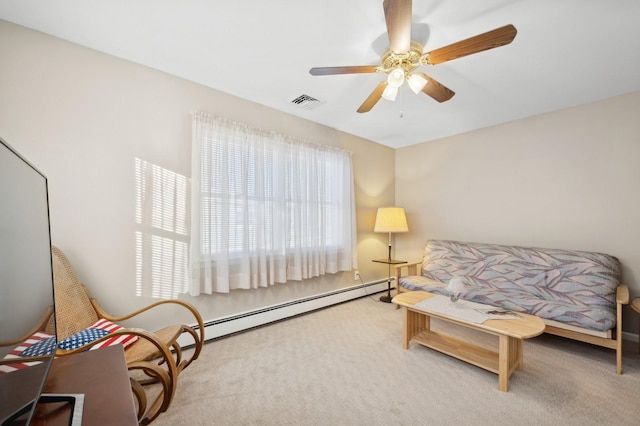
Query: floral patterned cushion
573, 287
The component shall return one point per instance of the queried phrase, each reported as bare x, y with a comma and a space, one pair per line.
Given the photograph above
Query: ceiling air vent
306, 102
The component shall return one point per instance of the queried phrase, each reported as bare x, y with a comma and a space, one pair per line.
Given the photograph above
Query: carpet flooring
344, 365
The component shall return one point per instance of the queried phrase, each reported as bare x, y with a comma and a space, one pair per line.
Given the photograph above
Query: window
266, 208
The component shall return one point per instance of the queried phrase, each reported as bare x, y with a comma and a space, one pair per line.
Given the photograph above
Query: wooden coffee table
511, 333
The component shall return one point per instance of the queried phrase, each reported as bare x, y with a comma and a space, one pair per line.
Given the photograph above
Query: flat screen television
26, 283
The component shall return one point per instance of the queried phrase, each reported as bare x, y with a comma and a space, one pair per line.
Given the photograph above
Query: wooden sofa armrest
622, 298
412, 269
622, 294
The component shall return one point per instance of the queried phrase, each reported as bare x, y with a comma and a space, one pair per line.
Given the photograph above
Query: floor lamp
391, 220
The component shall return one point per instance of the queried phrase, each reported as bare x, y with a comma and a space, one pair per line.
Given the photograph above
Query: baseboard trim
631, 337
232, 324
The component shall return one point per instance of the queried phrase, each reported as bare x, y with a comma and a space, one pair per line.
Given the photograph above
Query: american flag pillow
124, 339
39, 340
42, 343
99, 329
81, 338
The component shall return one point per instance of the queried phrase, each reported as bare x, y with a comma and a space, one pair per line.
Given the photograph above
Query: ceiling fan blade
343, 70
489, 40
436, 90
373, 98
398, 16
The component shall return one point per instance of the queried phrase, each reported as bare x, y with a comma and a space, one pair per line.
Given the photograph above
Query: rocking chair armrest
168, 379
38, 327
198, 318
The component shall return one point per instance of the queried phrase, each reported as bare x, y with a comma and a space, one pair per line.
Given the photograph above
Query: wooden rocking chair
154, 357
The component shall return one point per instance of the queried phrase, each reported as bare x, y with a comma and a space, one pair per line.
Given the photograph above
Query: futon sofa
578, 294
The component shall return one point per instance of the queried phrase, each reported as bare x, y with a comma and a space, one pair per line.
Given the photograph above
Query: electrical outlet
356, 275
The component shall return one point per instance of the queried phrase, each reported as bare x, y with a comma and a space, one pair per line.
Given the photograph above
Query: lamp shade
390, 93
417, 82
391, 219
396, 78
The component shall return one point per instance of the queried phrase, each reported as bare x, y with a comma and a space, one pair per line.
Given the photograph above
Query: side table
387, 298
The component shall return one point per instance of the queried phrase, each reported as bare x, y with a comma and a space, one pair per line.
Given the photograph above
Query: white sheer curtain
266, 208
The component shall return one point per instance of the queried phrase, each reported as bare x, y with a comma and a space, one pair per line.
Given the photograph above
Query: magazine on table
465, 309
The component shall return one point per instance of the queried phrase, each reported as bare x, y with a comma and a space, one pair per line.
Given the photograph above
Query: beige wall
83, 117
567, 179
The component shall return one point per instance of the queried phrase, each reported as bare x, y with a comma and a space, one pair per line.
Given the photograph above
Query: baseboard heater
246, 320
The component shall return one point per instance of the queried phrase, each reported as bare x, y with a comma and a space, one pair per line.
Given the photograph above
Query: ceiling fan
404, 56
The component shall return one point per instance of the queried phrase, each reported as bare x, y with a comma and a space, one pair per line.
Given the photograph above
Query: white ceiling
567, 52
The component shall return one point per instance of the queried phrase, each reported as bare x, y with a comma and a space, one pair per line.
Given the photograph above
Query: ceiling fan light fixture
401, 60
390, 93
416, 83
396, 78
